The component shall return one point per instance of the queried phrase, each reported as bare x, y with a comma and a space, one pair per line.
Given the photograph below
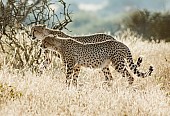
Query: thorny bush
16, 18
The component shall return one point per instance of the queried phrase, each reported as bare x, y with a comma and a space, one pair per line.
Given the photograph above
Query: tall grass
46, 94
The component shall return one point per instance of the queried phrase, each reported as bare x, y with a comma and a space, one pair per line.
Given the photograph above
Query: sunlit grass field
25, 93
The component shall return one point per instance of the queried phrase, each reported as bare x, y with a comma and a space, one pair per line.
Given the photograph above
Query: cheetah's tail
139, 61
134, 67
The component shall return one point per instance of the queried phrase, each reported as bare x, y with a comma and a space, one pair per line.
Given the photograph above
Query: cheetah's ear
44, 25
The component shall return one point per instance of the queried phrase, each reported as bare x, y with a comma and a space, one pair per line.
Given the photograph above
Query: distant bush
152, 25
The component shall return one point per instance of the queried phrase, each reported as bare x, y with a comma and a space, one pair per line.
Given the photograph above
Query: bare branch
27, 11
67, 19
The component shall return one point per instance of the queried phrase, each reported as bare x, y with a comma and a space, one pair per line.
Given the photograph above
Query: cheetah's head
48, 43
37, 32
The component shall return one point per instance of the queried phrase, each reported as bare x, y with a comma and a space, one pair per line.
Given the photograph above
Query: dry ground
47, 95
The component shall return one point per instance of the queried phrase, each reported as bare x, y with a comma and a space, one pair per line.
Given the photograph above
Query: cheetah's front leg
75, 75
69, 71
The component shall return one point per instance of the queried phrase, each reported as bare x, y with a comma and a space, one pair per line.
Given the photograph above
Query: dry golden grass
47, 94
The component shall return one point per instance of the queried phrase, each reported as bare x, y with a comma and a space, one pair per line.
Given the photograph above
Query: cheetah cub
100, 55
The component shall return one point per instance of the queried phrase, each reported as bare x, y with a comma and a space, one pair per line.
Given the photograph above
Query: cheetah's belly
94, 63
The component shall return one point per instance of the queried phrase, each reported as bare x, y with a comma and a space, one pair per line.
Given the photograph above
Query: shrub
152, 25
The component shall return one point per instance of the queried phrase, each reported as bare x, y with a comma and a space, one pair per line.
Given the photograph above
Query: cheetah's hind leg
121, 68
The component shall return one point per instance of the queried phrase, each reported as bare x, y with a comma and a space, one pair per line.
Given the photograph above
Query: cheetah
99, 55
40, 31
